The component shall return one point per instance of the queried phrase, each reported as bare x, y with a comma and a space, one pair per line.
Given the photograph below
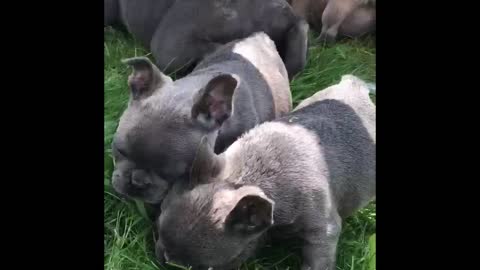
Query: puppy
348, 18
298, 176
181, 32
242, 84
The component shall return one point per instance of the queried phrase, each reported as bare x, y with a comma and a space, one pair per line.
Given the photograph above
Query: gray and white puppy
181, 32
298, 176
242, 84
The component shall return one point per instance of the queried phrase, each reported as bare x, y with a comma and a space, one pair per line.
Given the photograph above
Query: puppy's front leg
319, 250
315, 257
159, 248
159, 252
296, 48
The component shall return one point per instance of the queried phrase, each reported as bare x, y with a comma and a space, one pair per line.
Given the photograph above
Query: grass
128, 237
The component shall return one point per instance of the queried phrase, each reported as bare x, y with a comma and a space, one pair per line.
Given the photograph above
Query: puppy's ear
206, 164
214, 103
252, 214
145, 78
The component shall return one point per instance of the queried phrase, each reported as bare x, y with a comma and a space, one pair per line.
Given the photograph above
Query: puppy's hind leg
296, 48
335, 13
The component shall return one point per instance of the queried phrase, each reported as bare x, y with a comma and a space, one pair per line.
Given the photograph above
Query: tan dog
350, 18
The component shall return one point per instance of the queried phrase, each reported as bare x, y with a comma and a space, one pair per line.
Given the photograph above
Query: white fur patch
330, 229
261, 51
352, 91
251, 46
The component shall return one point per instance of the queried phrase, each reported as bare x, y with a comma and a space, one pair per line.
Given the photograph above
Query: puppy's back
343, 119
257, 56
261, 51
355, 93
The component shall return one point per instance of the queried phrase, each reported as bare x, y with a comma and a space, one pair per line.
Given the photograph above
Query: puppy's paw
326, 39
306, 267
159, 251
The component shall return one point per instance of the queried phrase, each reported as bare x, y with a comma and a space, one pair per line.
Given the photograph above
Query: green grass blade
372, 250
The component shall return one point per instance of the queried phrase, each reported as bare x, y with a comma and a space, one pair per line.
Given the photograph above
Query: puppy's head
161, 128
214, 223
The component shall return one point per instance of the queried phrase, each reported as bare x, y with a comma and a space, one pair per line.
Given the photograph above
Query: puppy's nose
115, 175
140, 178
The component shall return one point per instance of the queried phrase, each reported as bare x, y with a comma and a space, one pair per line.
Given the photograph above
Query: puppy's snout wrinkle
139, 178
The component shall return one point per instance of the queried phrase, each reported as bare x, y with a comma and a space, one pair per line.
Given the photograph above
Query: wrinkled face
150, 157
161, 129
214, 225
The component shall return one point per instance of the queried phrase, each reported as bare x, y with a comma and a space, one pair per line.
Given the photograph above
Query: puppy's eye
121, 152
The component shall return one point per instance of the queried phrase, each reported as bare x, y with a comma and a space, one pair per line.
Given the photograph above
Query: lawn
128, 239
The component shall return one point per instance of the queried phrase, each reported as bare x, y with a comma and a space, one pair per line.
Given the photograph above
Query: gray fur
140, 17
299, 175
111, 13
181, 32
161, 128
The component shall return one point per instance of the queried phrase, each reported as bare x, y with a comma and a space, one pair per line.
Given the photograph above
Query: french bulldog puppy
348, 18
242, 84
299, 175
181, 32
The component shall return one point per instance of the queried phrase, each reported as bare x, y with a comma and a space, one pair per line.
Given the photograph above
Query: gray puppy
180, 32
242, 84
296, 176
